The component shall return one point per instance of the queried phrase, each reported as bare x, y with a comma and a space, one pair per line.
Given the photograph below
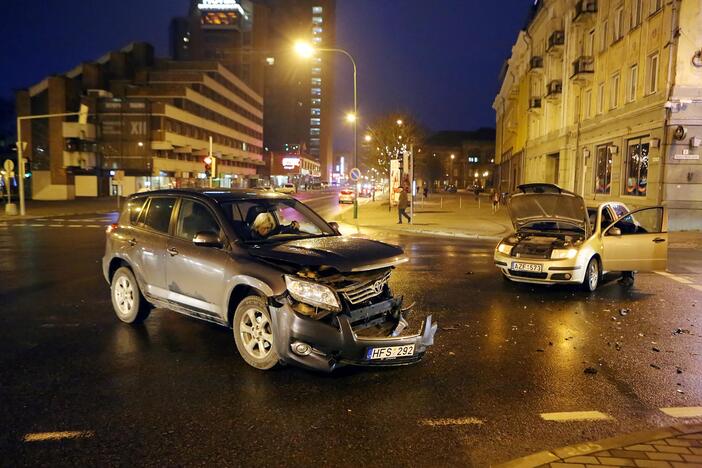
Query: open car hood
346, 254
551, 206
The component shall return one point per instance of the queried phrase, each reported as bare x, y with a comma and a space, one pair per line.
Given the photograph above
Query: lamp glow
303, 49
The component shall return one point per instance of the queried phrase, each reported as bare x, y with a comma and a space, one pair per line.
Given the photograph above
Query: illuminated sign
210, 5
291, 163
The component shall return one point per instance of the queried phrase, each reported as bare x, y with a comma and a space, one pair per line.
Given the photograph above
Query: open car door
638, 241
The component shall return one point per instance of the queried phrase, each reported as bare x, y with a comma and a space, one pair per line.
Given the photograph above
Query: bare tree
387, 137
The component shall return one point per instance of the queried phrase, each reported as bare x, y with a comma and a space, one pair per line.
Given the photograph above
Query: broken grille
358, 293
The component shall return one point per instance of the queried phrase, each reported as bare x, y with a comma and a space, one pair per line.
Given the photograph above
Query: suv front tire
129, 304
253, 333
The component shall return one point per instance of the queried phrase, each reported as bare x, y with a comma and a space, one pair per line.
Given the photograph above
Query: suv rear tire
129, 304
253, 333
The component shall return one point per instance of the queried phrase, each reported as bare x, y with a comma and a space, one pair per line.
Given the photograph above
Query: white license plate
516, 266
389, 352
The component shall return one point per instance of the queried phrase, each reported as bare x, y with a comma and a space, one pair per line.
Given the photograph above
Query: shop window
603, 170
636, 171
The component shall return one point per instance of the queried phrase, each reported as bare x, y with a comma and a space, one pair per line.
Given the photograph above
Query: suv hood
565, 206
346, 254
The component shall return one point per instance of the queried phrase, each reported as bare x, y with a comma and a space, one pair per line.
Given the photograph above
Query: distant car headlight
560, 254
505, 248
311, 293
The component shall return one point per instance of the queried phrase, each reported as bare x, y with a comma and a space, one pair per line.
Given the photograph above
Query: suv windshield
270, 220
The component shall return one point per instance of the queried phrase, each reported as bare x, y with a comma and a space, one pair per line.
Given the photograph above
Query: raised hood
544, 202
346, 254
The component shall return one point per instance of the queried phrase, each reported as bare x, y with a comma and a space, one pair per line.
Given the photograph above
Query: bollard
460, 202
441, 201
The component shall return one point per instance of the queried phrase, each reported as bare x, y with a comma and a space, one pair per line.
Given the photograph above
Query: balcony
554, 89
536, 63
555, 42
535, 104
585, 10
583, 69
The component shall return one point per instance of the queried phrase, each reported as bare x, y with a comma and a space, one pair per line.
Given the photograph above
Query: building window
588, 103
316, 70
652, 74
317, 20
656, 5
316, 81
315, 111
315, 122
603, 37
317, 10
636, 10
614, 90
314, 131
316, 91
316, 102
600, 98
619, 24
633, 82
636, 168
590, 44
603, 170
317, 30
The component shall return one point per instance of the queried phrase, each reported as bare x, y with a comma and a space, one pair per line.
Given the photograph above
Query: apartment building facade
604, 97
149, 125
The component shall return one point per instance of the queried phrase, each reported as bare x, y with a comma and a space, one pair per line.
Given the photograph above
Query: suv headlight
311, 293
560, 254
504, 248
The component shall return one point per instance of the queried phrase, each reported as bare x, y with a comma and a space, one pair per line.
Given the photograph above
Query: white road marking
44, 436
37, 225
674, 277
576, 416
696, 286
94, 225
55, 225
74, 225
683, 411
467, 421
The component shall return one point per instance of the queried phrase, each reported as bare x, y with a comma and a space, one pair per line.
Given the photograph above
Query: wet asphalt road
174, 391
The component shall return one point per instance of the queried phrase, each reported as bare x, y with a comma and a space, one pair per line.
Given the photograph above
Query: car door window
194, 217
644, 221
134, 209
158, 216
607, 218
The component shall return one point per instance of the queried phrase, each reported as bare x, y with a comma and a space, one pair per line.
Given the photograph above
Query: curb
26, 217
586, 448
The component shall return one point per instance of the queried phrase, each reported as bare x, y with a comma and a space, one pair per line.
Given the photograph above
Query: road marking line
467, 421
576, 416
674, 277
55, 225
37, 225
94, 225
44, 436
683, 411
74, 225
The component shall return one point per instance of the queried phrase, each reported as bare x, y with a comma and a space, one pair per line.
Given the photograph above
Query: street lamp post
307, 50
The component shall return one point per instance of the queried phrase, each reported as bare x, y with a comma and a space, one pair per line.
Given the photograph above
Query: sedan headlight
560, 254
311, 293
504, 248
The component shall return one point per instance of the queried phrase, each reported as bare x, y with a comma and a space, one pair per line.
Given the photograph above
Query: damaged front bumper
333, 345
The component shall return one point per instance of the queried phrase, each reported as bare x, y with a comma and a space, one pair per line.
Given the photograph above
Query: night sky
436, 59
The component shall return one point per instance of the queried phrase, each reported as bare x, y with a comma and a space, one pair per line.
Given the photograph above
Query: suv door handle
658, 240
173, 251
132, 242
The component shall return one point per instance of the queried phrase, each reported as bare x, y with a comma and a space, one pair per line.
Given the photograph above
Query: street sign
8, 165
355, 174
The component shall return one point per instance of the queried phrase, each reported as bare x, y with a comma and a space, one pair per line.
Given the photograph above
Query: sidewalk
676, 446
39, 209
454, 215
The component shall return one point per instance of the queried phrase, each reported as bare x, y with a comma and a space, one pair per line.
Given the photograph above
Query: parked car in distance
450, 188
558, 239
347, 195
287, 188
291, 288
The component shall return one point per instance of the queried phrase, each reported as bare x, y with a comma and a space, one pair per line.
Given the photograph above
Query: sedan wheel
253, 333
592, 275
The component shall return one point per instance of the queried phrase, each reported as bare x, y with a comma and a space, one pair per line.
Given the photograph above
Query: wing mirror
335, 226
615, 231
207, 239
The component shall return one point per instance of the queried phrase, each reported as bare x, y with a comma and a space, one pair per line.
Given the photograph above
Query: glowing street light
399, 122
304, 49
350, 117
453, 156
368, 138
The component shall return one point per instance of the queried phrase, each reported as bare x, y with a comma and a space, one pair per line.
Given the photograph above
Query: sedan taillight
111, 227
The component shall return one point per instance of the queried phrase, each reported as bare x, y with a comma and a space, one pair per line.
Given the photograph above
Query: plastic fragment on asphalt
590, 370
655, 366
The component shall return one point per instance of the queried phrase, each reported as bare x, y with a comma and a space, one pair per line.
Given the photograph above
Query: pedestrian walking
402, 204
373, 192
476, 191
495, 200
426, 191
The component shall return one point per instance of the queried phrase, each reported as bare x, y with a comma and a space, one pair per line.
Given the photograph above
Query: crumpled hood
346, 254
528, 207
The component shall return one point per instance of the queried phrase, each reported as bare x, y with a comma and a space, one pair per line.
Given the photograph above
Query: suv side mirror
335, 226
615, 231
207, 239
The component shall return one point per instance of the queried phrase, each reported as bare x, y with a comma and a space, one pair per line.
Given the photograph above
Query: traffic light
208, 166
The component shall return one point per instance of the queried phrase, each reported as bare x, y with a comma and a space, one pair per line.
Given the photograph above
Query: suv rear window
158, 216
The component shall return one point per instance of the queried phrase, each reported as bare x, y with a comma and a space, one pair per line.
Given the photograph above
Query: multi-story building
604, 97
463, 158
293, 167
149, 125
257, 44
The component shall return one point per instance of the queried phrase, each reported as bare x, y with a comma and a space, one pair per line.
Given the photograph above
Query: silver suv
292, 289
